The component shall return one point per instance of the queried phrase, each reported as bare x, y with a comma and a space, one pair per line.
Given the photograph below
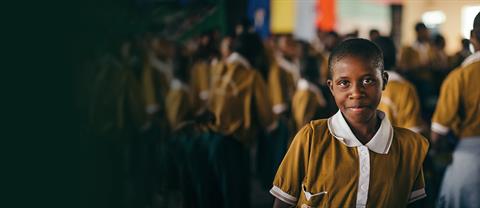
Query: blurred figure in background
283, 75
311, 100
373, 34
241, 107
458, 110
399, 101
460, 56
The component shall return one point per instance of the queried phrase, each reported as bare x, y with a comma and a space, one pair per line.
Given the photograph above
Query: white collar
236, 57
394, 76
471, 59
176, 84
304, 84
380, 143
289, 66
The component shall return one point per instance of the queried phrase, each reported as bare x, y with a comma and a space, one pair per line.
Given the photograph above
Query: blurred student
239, 101
283, 76
355, 158
311, 101
399, 101
458, 110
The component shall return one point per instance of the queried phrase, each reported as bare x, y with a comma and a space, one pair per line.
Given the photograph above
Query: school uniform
308, 103
240, 104
458, 110
237, 92
400, 103
282, 81
200, 83
178, 104
327, 166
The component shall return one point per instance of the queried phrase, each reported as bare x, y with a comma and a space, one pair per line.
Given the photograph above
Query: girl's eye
343, 83
368, 81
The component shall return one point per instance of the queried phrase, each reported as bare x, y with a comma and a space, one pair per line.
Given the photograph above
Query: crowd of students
190, 124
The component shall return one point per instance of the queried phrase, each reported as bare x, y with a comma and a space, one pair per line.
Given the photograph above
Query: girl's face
357, 88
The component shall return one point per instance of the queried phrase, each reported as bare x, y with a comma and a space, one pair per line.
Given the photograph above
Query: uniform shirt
200, 83
458, 107
178, 104
282, 80
239, 99
156, 84
307, 103
400, 103
327, 166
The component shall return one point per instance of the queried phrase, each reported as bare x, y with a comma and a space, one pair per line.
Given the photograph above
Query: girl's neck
365, 131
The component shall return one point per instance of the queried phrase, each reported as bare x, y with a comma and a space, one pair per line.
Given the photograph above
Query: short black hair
389, 51
356, 47
420, 26
476, 26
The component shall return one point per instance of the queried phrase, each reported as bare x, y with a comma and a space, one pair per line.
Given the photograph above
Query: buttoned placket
364, 176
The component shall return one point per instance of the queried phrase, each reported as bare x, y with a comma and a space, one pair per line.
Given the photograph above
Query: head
357, 79
439, 41
331, 40
475, 33
287, 46
309, 68
389, 51
465, 44
422, 32
373, 33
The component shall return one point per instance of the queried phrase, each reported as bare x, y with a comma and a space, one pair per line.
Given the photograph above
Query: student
399, 99
239, 101
310, 101
458, 110
356, 158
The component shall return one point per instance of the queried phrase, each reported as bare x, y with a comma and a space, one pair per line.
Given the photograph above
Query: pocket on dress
312, 200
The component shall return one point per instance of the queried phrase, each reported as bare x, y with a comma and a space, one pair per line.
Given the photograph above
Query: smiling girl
355, 158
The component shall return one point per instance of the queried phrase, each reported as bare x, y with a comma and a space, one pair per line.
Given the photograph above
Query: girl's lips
358, 108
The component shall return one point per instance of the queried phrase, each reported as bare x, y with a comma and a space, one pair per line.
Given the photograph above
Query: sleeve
151, 105
262, 104
176, 107
447, 105
275, 87
292, 170
303, 109
411, 110
418, 190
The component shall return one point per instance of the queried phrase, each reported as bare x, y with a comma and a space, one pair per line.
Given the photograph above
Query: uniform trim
416, 129
475, 57
291, 67
272, 126
364, 176
416, 195
279, 108
380, 143
439, 128
236, 57
151, 109
281, 195
204, 94
394, 76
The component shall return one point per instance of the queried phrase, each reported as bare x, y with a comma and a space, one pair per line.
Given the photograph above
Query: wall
450, 29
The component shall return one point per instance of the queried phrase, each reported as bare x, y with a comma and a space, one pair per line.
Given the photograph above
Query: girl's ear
330, 85
385, 80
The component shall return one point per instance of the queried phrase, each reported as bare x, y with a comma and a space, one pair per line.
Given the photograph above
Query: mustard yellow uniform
458, 107
178, 106
327, 166
282, 80
237, 92
458, 110
155, 85
307, 103
401, 104
200, 83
